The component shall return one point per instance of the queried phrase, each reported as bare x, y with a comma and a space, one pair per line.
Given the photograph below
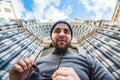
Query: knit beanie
61, 21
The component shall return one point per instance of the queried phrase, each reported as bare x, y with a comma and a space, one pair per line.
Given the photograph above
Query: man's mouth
61, 41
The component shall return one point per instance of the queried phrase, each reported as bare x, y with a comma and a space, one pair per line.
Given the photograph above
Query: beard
61, 47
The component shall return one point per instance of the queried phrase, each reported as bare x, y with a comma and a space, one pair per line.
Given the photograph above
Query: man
61, 64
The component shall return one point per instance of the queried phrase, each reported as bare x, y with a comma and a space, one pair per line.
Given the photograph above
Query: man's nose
62, 33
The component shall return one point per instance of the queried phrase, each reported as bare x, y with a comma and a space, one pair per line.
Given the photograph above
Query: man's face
61, 36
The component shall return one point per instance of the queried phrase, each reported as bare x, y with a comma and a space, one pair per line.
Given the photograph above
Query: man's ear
51, 45
70, 43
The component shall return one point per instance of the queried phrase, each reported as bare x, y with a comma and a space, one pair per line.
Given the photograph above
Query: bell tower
116, 14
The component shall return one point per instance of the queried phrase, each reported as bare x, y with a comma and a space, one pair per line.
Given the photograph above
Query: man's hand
21, 69
65, 73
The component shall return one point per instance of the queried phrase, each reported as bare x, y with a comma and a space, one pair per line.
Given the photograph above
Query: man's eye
66, 31
57, 31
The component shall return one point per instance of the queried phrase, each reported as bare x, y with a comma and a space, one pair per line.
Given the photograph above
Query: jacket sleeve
97, 71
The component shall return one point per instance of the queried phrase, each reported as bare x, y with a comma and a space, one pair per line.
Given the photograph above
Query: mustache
61, 40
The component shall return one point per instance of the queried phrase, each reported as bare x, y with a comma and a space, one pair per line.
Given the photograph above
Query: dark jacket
86, 67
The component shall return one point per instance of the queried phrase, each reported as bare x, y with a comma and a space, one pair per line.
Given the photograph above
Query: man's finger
22, 64
18, 68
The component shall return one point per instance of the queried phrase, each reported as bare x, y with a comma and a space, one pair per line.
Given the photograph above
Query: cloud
28, 15
50, 10
103, 9
54, 13
18, 8
42, 9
